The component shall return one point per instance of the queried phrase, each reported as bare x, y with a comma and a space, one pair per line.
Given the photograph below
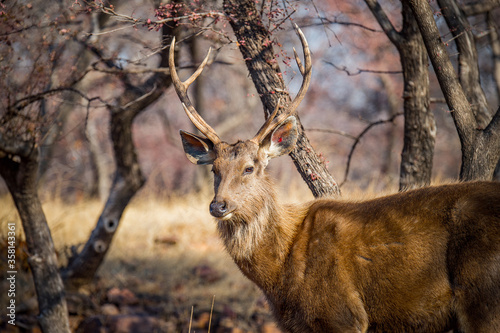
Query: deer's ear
198, 150
282, 140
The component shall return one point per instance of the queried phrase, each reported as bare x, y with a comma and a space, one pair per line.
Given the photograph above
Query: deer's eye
248, 170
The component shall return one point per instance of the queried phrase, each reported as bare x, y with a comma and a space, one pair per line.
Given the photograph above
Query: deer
424, 260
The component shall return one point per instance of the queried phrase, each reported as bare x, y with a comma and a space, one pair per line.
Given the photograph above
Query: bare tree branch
437, 100
357, 139
41, 26
25, 101
323, 23
495, 50
384, 21
152, 23
332, 131
455, 97
360, 70
324, 20
468, 67
480, 7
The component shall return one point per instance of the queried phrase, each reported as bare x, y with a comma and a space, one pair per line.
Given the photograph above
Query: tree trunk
100, 185
127, 181
20, 175
480, 160
254, 43
480, 147
419, 125
468, 67
128, 178
494, 39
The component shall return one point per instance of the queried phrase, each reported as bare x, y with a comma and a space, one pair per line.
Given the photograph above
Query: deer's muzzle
220, 209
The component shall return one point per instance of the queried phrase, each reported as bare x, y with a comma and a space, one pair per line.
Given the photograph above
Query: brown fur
422, 261
426, 260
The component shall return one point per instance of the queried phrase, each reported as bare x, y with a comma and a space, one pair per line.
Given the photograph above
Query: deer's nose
218, 208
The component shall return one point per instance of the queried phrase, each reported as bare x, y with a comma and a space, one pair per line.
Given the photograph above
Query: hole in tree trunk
99, 246
110, 225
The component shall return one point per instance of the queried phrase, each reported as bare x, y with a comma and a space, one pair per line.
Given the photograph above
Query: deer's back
403, 262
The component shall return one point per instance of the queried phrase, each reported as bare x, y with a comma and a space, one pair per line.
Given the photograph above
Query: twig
384, 21
191, 319
347, 135
324, 20
140, 98
149, 22
358, 138
286, 18
109, 31
211, 312
40, 26
437, 100
25, 101
359, 70
116, 71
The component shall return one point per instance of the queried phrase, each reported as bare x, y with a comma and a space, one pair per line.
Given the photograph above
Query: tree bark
480, 147
20, 175
128, 178
494, 39
127, 181
419, 125
101, 180
468, 67
255, 45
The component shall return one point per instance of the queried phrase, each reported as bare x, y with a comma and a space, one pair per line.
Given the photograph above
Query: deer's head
239, 168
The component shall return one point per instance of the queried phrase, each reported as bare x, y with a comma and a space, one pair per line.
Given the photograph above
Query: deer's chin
225, 217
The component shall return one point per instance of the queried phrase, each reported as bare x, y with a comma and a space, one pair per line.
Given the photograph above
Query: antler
306, 72
181, 89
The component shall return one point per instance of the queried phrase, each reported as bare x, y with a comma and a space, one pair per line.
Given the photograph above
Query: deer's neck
260, 240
